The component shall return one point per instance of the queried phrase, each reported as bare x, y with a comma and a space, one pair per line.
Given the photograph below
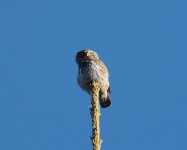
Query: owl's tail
105, 102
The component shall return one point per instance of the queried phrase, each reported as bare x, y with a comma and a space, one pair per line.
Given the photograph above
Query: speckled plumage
91, 68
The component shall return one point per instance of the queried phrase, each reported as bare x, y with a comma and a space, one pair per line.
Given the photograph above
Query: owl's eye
85, 55
81, 55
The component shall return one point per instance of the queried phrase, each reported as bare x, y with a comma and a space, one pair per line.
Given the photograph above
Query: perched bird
91, 68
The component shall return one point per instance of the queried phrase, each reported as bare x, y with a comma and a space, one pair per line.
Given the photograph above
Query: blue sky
143, 43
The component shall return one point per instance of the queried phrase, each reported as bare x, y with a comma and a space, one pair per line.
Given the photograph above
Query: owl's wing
105, 72
104, 69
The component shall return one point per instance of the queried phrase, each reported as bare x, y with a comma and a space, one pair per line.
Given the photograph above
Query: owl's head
86, 55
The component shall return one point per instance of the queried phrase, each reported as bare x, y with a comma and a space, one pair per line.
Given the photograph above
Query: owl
91, 68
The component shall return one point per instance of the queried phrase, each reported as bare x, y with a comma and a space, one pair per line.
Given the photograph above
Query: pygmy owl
91, 68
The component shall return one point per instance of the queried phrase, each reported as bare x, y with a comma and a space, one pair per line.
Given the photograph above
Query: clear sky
144, 45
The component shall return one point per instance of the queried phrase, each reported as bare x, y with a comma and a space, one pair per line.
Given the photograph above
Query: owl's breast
90, 71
